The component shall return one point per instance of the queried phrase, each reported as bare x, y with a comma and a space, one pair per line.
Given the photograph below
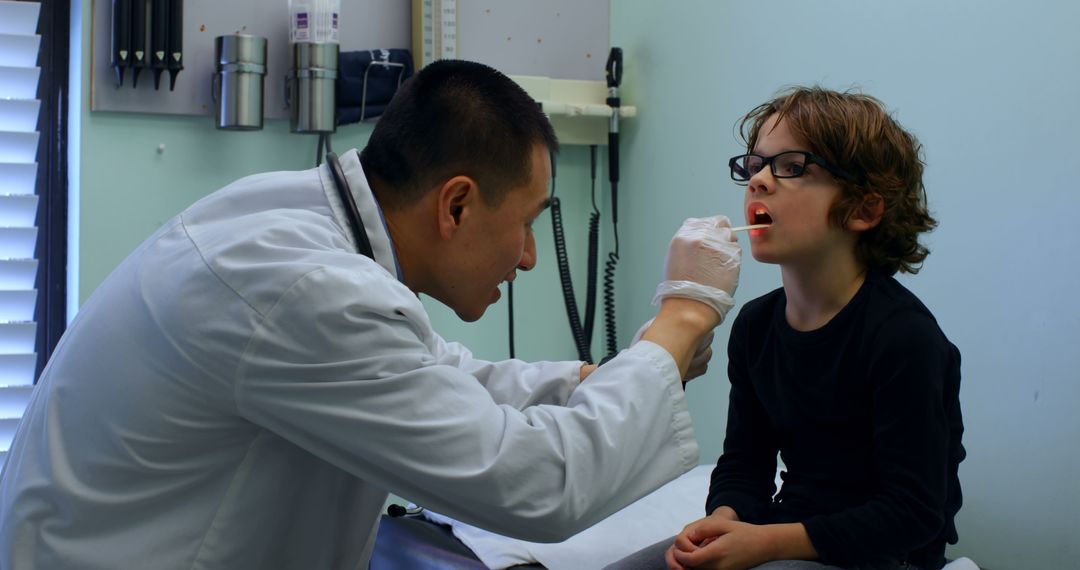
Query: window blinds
19, 106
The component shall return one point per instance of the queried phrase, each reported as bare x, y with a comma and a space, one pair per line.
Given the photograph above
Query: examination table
430, 541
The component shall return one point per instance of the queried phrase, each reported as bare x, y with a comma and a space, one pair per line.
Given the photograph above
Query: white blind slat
18, 177
13, 400
17, 338
17, 305
19, 115
17, 273
18, 211
19, 110
19, 82
17, 243
19, 50
19, 17
18, 147
17, 369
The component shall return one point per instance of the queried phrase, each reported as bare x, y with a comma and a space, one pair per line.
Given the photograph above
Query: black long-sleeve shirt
865, 414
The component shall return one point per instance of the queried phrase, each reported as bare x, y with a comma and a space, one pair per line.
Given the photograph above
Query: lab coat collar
370, 211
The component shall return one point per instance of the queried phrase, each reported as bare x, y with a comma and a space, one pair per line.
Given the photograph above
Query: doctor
244, 389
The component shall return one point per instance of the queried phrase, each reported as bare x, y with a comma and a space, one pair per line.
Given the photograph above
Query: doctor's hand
702, 264
699, 362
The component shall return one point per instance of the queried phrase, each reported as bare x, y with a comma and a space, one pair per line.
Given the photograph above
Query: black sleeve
908, 366
745, 475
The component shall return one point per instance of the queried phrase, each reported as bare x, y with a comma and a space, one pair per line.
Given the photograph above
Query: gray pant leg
794, 565
808, 565
648, 558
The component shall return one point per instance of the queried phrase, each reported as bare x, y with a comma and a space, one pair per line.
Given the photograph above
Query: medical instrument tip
750, 227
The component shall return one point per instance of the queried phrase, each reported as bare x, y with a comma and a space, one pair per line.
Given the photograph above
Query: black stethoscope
356, 225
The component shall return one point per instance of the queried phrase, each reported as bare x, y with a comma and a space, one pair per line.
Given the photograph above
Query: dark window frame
54, 59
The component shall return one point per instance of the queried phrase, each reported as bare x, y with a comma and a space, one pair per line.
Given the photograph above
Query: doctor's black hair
455, 118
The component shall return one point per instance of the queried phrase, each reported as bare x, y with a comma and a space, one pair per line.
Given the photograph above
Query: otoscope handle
139, 56
121, 38
614, 67
159, 38
613, 174
176, 40
614, 78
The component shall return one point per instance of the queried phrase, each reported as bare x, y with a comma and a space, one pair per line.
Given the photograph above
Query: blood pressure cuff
367, 80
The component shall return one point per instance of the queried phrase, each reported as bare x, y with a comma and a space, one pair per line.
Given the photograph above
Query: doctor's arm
515, 382
392, 415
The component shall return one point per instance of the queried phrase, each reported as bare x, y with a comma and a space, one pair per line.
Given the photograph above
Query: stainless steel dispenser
310, 87
239, 73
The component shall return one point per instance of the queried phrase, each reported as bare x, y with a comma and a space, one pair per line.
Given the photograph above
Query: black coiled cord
594, 254
578, 332
609, 294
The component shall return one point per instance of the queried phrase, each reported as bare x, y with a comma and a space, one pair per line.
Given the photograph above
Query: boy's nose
761, 182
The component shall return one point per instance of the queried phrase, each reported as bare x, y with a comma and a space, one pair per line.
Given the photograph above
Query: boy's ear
867, 215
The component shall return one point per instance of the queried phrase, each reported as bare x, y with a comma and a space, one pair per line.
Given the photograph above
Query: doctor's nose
528, 255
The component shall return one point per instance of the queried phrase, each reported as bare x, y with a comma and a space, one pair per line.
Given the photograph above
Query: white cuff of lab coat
682, 424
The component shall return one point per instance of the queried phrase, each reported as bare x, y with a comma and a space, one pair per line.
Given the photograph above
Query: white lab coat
245, 388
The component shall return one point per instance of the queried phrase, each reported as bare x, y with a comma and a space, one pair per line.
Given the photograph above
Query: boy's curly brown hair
854, 132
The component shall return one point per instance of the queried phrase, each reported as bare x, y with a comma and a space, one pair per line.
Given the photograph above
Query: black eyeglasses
790, 164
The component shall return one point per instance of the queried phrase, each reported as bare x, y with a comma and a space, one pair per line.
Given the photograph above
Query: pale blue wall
990, 87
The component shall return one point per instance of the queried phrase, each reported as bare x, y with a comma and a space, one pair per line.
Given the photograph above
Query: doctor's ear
454, 199
866, 215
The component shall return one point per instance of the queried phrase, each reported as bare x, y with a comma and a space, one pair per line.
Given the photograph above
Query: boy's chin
763, 257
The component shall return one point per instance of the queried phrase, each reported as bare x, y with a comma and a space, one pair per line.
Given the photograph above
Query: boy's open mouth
759, 215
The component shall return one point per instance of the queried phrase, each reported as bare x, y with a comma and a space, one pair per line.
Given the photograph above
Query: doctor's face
500, 242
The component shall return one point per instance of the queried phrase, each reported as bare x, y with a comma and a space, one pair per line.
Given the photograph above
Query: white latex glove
702, 264
699, 365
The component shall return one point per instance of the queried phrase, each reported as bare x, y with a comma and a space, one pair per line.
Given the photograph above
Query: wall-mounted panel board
368, 24
565, 39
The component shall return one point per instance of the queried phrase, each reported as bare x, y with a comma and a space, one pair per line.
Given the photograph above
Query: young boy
842, 371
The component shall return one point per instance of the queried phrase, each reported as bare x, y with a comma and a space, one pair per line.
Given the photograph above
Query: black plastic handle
176, 40
121, 38
159, 38
614, 67
139, 55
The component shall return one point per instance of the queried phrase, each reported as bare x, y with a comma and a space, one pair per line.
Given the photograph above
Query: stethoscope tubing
356, 224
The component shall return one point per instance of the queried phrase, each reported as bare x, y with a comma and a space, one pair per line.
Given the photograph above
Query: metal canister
310, 87
239, 74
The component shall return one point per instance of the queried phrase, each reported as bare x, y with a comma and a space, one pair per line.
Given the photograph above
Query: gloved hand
702, 264
699, 364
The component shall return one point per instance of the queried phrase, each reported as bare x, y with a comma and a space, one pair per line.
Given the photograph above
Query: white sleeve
353, 382
514, 382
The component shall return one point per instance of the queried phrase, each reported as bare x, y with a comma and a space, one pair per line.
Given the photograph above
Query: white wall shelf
577, 108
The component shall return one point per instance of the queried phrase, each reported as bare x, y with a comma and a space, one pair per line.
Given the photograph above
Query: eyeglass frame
809, 157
